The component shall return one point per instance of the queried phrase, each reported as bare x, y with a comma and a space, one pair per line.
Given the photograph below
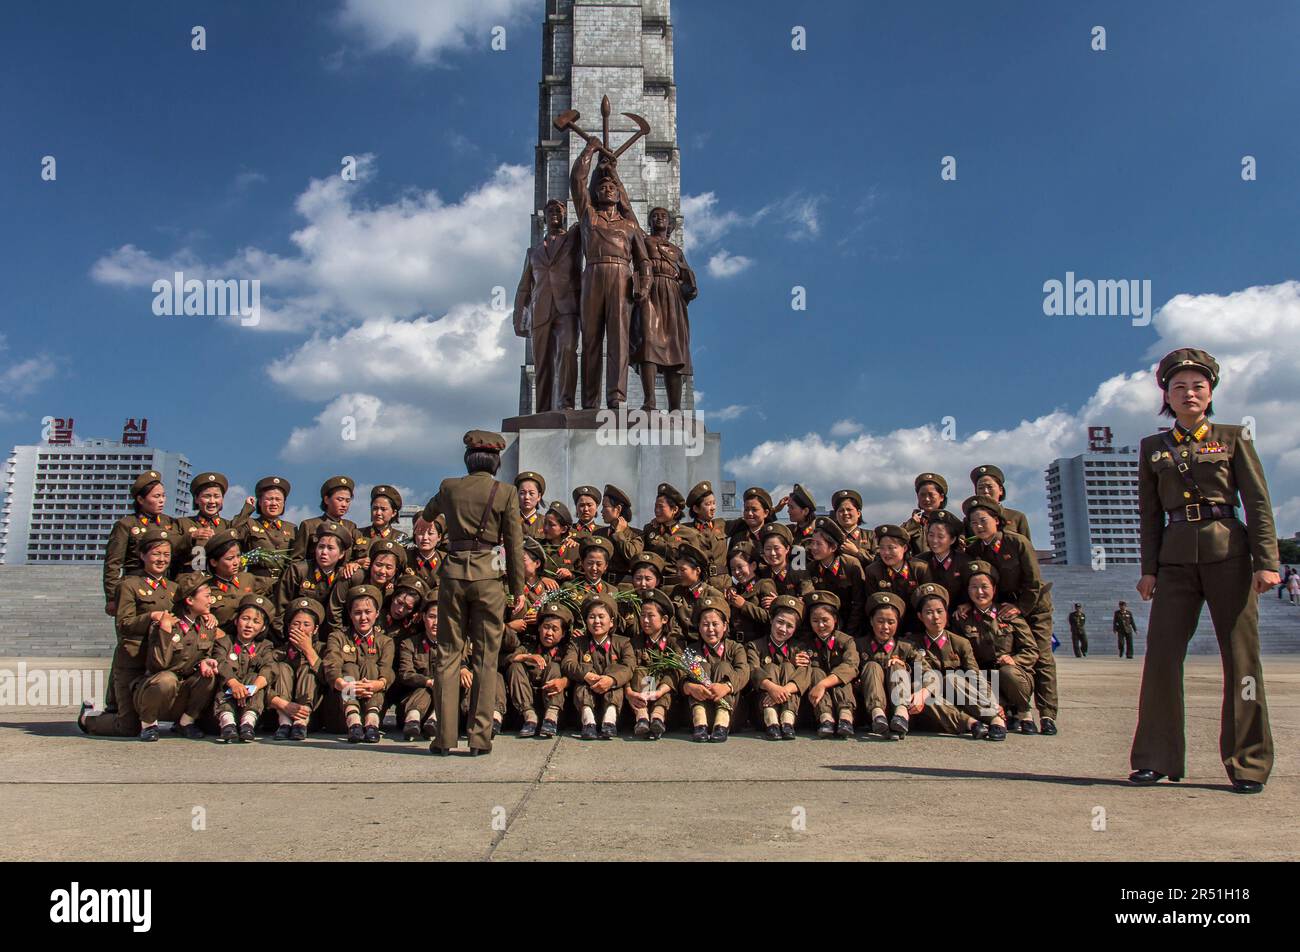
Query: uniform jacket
305, 536
181, 651
845, 577
462, 501
1019, 581
1123, 623
992, 637
244, 660
120, 555
372, 655
837, 655
138, 597
614, 657
769, 661
948, 652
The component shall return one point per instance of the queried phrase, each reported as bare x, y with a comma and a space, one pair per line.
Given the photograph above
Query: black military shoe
496, 727
978, 730
1144, 778
1048, 726
845, 729
298, 732
149, 733
479, 752
898, 725
787, 732
773, 731
86, 707
247, 733
879, 725
588, 732
719, 734
194, 732
641, 728
411, 730
547, 730
1027, 726
371, 735
1247, 786
826, 729
656, 728
439, 751
229, 734
429, 729
355, 734
608, 730
700, 734
529, 729
283, 731
997, 732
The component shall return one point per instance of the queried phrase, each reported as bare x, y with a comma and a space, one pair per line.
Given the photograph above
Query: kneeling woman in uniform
1004, 647
832, 658
181, 664
650, 697
1196, 550
359, 667
299, 683
247, 667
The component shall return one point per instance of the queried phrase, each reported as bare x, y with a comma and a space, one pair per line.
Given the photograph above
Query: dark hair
624, 511
482, 461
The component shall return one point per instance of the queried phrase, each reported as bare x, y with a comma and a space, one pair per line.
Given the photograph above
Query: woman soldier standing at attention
335, 501
121, 555
208, 490
266, 528
483, 526
1195, 550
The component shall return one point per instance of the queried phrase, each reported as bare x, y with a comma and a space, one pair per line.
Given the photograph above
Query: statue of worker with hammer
617, 268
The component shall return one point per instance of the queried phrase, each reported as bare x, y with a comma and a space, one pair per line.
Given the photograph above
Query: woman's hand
1266, 580
1147, 586
237, 691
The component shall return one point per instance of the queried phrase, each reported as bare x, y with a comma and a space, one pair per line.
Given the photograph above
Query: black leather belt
1202, 511
466, 545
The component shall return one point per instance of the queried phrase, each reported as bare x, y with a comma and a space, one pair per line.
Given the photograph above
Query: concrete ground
64, 796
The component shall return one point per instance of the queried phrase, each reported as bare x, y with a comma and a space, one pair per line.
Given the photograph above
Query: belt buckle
1187, 511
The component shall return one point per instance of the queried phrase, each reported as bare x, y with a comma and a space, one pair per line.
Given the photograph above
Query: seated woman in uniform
749, 619
832, 570
359, 667
1002, 645
726, 667
832, 659
594, 552
246, 667
586, 507
646, 576
559, 544
180, 664
533, 672
894, 570
776, 682
889, 666
776, 567
953, 697
316, 576
417, 660
599, 665
692, 566
946, 563
423, 555
755, 513
651, 697
385, 505
386, 561
859, 541
299, 684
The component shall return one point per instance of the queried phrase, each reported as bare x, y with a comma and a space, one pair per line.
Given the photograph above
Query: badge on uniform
143, 592
135, 530
234, 656
176, 637
586, 658
347, 649
1155, 457
884, 584
767, 660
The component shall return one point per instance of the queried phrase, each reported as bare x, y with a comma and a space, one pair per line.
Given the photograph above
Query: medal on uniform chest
1155, 457
586, 658
176, 637
234, 656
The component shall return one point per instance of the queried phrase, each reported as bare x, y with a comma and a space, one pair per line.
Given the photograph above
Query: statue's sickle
642, 129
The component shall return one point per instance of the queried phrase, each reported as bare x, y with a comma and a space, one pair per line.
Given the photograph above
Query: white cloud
705, 223
382, 430
1251, 333
427, 29
726, 265
356, 261
22, 378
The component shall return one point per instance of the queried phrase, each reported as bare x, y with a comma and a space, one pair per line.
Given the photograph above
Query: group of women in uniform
939, 622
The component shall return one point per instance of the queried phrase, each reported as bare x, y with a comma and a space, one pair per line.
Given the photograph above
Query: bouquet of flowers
275, 559
688, 662
571, 597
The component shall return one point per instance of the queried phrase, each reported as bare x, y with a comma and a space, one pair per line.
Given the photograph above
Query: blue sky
924, 296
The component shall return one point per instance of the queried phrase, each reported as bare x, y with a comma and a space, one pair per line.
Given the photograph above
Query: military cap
430, 601
590, 491
262, 603
595, 542
687, 552
150, 537
328, 527
215, 547
762, 495
410, 582
652, 559
390, 493
271, 482
336, 483
556, 610
144, 481
803, 497
365, 590
879, 600
560, 511
534, 548
604, 599
790, 603
779, 530
888, 531
620, 498
204, 480
824, 600
830, 528
983, 502
484, 440
987, 469
929, 590
672, 494
931, 478
945, 518
980, 567
186, 586
388, 547
657, 597
852, 495
711, 603
535, 477
1187, 358
743, 547
308, 605
698, 492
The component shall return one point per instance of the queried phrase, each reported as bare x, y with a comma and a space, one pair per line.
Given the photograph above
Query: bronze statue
661, 330
614, 248
546, 307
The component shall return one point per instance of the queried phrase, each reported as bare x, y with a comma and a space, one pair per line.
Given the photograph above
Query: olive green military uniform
172, 684
356, 657
769, 661
524, 681
258, 532
903, 581
305, 536
1079, 633
483, 531
751, 620
951, 658
991, 638
886, 685
1125, 628
613, 657
1013, 519
297, 678
1200, 551
244, 661
122, 556
306, 580
726, 662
